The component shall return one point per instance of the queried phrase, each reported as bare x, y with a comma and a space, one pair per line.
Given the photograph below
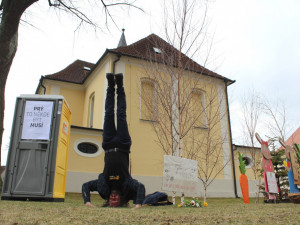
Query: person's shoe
110, 79
119, 79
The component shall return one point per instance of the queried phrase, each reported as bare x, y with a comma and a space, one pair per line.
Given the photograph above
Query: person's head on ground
114, 198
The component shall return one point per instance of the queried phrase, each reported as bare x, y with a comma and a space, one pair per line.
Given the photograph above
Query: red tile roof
295, 138
74, 73
142, 49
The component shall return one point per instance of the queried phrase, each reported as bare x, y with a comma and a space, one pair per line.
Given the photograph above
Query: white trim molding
88, 140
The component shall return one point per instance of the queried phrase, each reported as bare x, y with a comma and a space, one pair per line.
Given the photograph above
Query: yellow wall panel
75, 99
81, 163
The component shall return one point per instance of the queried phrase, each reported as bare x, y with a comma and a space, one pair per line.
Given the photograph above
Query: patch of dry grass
219, 211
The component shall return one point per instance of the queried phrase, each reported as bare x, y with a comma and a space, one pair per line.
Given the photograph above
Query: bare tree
275, 120
208, 143
252, 110
182, 97
159, 105
11, 12
203, 109
277, 123
187, 36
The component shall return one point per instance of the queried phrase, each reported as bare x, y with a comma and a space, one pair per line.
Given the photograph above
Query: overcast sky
256, 44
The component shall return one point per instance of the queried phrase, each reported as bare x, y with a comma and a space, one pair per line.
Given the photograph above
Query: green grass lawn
218, 211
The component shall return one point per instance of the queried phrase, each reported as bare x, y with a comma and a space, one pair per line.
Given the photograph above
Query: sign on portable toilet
37, 160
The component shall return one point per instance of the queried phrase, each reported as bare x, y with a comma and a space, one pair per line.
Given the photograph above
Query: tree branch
68, 6
55, 4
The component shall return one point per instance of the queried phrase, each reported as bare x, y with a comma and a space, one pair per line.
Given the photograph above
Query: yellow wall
74, 95
81, 163
213, 136
146, 155
96, 85
249, 169
75, 99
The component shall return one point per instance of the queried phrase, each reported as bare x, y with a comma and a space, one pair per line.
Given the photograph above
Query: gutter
228, 81
232, 155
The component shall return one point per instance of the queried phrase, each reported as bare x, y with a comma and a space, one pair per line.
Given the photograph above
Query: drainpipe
114, 63
41, 84
232, 155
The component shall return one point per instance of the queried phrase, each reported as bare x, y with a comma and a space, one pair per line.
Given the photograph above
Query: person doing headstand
115, 184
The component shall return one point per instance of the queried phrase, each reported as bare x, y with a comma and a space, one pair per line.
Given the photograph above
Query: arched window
198, 108
88, 147
148, 100
248, 161
91, 110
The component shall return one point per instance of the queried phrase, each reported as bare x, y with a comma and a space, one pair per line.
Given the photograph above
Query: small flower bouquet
194, 203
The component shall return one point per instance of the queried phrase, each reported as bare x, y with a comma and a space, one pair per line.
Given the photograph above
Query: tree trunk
2, 90
204, 197
8, 50
257, 190
12, 11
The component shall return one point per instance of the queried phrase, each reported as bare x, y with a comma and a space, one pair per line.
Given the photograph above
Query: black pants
112, 137
116, 163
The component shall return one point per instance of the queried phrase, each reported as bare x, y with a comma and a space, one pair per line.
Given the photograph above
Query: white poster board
272, 183
37, 120
180, 175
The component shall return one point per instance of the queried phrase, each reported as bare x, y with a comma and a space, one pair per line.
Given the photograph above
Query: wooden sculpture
292, 166
243, 179
269, 175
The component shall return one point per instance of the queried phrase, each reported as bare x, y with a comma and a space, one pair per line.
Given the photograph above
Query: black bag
157, 199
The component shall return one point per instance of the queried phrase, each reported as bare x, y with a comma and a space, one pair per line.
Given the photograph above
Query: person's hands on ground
88, 204
137, 206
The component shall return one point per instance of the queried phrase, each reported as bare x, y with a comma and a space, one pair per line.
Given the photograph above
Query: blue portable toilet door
33, 149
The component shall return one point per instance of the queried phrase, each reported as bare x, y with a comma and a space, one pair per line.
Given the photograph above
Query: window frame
90, 141
202, 94
152, 82
91, 110
250, 159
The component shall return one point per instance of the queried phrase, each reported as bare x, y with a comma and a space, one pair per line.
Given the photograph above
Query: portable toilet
37, 160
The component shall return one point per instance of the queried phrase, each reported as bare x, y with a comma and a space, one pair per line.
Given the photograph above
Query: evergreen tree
280, 172
261, 187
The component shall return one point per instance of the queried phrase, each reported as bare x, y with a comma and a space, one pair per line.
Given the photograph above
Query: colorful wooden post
269, 175
292, 166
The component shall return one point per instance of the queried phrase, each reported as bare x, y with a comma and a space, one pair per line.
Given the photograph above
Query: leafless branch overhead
70, 6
